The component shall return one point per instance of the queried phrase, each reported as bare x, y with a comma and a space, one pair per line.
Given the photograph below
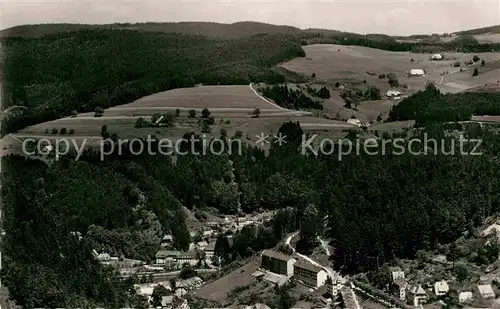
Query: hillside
490, 29
210, 29
59, 74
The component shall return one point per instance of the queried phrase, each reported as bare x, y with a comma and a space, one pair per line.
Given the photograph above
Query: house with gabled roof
309, 274
277, 262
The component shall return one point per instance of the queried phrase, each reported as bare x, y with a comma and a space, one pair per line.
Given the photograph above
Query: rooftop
166, 253
308, 266
276, 255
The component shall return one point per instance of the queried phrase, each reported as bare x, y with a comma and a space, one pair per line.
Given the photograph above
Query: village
432, 282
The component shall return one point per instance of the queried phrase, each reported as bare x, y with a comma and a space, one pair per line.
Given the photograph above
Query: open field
481, 38
231, 106
218, 290
201, 97
335, 63
489, 88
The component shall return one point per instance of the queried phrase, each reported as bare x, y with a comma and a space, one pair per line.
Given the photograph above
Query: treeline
293, 99
430, 106
54, 75
322, 92
466, 44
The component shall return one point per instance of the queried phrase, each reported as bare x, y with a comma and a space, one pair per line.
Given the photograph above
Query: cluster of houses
180, 289
417, 295
279, 268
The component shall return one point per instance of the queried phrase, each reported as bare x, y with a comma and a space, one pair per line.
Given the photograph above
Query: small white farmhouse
464, 297
392, 93
441, 288
437, 57
355, 122
417, 72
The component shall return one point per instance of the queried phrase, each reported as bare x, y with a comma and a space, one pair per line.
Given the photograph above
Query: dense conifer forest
430, 106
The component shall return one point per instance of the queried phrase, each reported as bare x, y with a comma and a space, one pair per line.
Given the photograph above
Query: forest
295, 99
379, 207
463, 43
429, 106
55, 75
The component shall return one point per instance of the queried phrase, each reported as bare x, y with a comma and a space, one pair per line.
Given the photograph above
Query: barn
437, 57
417, 72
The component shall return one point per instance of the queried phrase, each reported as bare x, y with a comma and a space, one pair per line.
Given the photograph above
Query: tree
476, 72
310, 223
454, 253
313, 75
177, 112
158, 292
238, 134
200, 255
205, 128
98, 112
256, 113
476, 58
192, 113
141, 123
393, 80
461, 272
168, 119
223, 133
63, 131
54, 131
205, 113
324, 93
187, 271
337, 84
222, 247
155, 117
104, 131
373, 93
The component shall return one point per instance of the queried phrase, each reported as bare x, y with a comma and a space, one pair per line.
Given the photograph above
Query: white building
309, 274
187, 258
202, 245
167, 301
210, 250
399, 281
419, 295
492, 229
104, 257
163, 256
465, 297
417, 72
437, 57
355, 122
441, 288
167, 240
392, 93
277, 262
207, 232
486, 291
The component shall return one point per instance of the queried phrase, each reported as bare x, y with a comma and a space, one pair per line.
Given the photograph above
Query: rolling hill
209, 29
